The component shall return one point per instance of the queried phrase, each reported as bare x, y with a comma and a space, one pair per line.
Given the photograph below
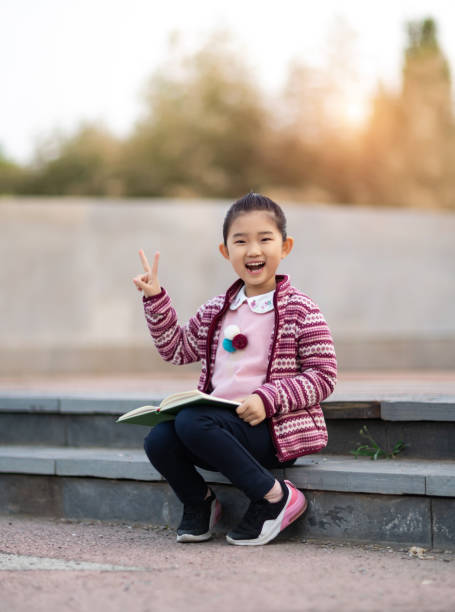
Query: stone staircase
63, 455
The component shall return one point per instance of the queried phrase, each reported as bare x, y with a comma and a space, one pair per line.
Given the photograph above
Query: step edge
387, 412
309, 475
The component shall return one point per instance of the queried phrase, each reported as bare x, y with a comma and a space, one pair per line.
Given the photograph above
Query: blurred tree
12, 175
318, 147
209, 130
203, 129
409, 148
84, 163
428, 118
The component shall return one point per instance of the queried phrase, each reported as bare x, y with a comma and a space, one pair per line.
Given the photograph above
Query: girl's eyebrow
238, 234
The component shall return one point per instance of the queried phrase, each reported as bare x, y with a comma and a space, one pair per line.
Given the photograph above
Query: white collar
258, 303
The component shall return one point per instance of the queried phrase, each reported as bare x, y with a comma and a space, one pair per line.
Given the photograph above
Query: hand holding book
251, 410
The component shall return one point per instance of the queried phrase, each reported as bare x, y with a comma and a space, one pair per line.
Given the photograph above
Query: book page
137, 411
181, 399
182, 395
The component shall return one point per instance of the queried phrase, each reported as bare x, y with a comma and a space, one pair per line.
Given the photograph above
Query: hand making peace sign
148, 282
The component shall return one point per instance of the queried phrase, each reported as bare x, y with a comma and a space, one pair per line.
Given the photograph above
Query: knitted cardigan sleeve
175, 343
318, 370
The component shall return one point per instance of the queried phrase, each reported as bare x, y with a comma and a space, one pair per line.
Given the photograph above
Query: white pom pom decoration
231, 331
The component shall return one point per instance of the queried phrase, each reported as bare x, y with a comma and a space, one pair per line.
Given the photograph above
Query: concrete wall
383, 278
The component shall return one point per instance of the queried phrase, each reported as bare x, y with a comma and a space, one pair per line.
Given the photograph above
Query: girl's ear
287, 246
224, 250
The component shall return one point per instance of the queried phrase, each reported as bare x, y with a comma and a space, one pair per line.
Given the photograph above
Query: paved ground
45, 566
60, 566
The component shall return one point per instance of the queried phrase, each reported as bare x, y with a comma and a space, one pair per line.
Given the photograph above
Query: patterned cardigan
302, 364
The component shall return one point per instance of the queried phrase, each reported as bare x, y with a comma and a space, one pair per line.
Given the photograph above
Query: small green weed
373, 449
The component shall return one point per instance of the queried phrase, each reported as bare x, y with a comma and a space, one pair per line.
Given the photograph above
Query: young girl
263, 343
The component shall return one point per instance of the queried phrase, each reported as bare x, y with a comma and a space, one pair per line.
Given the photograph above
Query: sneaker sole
296, 505
215, 513
189, 537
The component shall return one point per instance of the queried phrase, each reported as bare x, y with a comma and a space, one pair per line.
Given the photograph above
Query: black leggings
214, 439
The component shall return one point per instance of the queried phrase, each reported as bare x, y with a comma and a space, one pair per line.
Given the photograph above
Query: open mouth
255, 266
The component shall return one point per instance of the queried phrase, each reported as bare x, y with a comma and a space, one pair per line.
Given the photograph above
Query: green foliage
11, 176
373, 450
202, 130
422, 37
84, 163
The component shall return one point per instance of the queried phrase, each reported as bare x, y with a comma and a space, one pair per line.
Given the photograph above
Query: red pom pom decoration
239, 341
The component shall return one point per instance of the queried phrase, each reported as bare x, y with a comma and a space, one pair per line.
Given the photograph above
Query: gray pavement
351, 385
48, 565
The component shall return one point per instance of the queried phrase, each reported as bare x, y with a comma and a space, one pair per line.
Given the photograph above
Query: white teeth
255, 266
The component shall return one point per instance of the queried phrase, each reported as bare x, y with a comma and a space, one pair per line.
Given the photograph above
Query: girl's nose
254, 248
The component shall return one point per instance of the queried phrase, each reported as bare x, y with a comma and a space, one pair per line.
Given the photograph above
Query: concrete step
424, 422
402, 501
321, 472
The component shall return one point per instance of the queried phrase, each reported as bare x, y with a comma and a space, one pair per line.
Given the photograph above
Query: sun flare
354, 110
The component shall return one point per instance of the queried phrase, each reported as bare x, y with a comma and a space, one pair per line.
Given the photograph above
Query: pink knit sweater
301, 363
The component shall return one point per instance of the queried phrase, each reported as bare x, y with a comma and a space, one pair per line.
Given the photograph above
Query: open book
166, 411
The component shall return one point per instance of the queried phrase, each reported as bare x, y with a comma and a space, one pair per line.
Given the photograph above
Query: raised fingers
156, 260
148, 281
144, 260
153, 271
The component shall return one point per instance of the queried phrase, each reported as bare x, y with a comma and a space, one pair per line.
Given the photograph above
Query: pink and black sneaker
263, 520
199, 520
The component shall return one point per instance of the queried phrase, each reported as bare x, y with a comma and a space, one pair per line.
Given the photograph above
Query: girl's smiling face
255, 248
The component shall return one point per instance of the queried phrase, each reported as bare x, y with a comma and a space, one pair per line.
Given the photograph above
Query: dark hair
254, 201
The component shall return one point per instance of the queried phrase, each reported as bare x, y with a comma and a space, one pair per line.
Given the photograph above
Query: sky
67, 61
